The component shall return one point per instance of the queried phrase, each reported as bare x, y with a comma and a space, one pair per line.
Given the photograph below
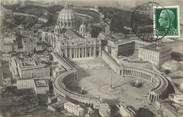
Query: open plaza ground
98, 80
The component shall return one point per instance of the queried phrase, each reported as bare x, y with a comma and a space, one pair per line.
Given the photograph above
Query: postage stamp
166, 21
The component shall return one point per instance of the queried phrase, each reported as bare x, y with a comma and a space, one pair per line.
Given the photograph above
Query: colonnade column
121, 72
66, 53
79, 55
85, 51
70, 51
94, 51
90, 51
80, 52
76, 52
153, 97
100, 51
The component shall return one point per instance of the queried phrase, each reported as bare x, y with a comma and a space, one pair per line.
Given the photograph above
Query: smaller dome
82, 28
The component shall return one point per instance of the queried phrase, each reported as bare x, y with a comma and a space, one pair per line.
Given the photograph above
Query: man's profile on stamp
166, 22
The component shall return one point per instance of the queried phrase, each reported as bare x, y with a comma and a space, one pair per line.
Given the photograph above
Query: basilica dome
66, 18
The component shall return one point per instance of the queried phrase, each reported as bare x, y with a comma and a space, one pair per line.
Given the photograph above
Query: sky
115, 3
123, 4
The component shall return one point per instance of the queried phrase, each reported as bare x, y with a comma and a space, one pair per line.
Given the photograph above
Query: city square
95, 77
66, 58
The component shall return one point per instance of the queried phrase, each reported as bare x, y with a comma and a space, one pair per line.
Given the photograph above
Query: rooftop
25, 84
41, 83
158, 48
119, 38
72, 34
26, 61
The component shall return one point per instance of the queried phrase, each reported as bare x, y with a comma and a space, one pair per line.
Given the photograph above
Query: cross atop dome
66, 4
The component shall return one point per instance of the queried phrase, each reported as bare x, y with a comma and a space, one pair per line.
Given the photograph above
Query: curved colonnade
160, 84
60, 89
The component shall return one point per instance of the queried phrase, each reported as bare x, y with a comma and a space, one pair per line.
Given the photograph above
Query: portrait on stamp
166, 21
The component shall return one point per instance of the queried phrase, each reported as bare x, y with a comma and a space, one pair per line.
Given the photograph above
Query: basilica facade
76, 46
70, 41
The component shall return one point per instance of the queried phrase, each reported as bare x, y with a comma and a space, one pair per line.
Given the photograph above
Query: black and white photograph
91, 58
